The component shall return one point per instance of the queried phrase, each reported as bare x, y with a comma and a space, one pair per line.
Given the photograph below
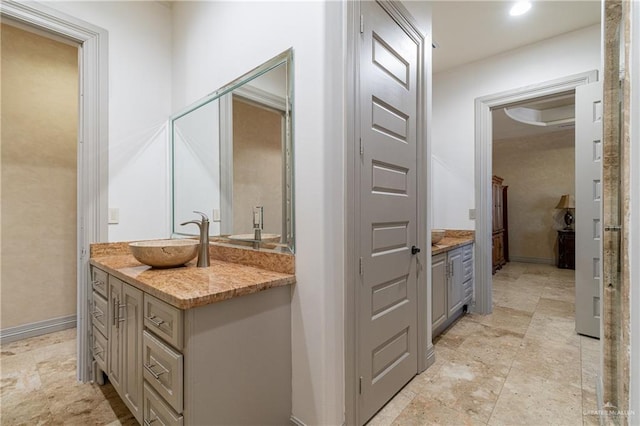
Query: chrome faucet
203, 250
258, 225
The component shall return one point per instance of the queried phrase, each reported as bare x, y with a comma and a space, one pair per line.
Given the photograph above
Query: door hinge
361, 267
361, 24
361, 147
360, 386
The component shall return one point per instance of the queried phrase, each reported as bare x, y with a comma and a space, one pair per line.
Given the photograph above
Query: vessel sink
266, 238
164, 253
436, 236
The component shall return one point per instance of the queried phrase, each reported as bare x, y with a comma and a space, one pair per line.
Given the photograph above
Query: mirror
232, 159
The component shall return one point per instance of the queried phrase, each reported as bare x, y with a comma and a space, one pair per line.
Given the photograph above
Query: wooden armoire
500, 226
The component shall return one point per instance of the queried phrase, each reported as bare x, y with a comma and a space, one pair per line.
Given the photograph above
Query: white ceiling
466, 31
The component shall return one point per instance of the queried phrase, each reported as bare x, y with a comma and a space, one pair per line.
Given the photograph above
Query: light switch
216, 215
472, 214
114, 216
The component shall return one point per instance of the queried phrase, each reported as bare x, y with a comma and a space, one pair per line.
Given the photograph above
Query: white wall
139, 105
454, 93
215, 42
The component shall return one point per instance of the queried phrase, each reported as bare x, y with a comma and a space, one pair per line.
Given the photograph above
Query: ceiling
504, 127
467, 31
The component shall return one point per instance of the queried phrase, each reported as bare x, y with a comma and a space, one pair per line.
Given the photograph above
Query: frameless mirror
232, 158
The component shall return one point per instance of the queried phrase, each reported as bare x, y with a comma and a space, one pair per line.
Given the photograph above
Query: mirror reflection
232, 159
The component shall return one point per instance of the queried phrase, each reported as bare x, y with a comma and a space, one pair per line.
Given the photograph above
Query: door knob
415, 250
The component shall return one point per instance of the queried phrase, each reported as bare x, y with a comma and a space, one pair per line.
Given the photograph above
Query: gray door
588, 225
455, 292
387, 319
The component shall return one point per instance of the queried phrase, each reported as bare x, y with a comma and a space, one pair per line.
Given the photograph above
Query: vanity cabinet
499, 224
124, 366
227, 362
451, 286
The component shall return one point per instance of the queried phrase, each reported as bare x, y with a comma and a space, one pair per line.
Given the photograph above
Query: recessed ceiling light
520, 8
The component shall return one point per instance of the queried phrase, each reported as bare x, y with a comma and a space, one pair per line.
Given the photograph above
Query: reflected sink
164, 253
266, 238
436, 236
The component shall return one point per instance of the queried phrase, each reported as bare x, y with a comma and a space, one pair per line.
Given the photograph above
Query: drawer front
99, 313
467, 252
156, 411
163, 369
99, 281
99, 349
467, 270
164, 320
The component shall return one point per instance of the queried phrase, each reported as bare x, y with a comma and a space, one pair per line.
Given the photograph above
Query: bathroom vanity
193, 346
451, 278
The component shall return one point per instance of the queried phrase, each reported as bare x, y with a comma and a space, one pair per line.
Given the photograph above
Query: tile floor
523, 364
38, 386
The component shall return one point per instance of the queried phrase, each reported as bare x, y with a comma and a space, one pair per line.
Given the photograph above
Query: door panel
132, 349
588, 227
388, 210
115, 361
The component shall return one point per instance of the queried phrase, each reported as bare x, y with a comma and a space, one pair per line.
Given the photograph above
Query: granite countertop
189, 286
453, 239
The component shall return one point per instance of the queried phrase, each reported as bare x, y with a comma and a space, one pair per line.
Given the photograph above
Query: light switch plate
472, 214
216, 215
114, 216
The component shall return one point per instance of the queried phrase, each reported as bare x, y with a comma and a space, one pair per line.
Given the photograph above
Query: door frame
483, 171
352, 204
93, 143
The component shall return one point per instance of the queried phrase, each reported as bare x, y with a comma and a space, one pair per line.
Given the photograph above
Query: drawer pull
97, 314
148, 422
157, 322
95, 352
97, 283
153, 373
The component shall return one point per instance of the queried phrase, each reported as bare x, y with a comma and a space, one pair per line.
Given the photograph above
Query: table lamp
567, 202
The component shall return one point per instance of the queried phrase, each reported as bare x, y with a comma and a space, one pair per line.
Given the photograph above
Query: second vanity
451, 278
195, 345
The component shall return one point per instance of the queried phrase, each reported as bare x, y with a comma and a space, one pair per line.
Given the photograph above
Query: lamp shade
566, 202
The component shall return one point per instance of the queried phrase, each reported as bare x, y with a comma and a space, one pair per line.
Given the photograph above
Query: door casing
483, 171
425, 347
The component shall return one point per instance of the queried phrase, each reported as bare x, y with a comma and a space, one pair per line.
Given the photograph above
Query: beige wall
538, 170
257, 167
38, 156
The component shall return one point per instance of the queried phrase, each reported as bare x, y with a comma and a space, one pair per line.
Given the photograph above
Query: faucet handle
204, 216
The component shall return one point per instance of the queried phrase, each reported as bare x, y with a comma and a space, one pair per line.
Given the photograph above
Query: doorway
92, 156
39, 174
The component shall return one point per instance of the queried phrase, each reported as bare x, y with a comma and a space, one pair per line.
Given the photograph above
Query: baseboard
431, 357
296, 421
540, 260
11, 334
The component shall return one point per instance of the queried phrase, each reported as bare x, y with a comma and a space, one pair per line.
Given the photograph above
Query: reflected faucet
203, 250
258, 225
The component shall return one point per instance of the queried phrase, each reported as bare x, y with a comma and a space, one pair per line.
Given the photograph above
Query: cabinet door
455, 293
131, 334
438, 290
114, 360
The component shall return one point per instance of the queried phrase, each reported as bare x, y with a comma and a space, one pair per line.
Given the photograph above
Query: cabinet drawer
99, 313
163, 369
156, 411
467, 252
164, 320
99, 281
467, 270
99, 349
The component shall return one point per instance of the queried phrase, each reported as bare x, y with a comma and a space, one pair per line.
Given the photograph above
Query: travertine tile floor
38, 386
522, 365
